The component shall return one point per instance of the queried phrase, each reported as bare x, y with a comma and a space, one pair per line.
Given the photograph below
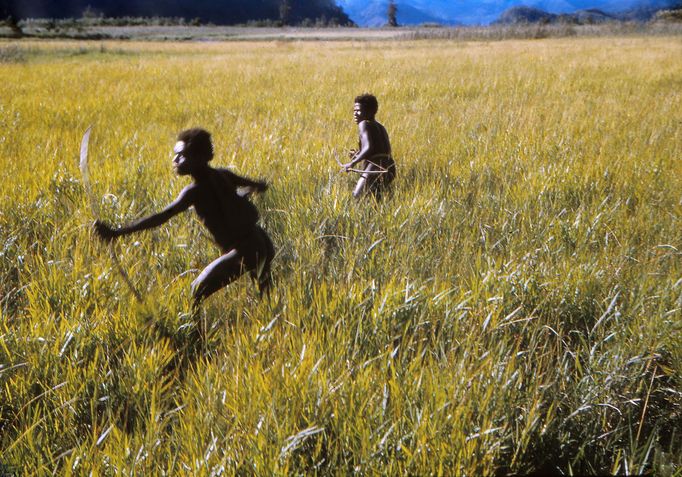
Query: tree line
221, 12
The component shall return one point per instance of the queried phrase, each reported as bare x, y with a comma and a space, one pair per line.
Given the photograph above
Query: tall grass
513, 307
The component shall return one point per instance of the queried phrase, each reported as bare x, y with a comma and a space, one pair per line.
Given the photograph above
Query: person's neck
201, 172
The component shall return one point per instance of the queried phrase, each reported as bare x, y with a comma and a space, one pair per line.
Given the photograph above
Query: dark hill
525, 15
522, 14
646, 12
592, 15
221, 12
673, 15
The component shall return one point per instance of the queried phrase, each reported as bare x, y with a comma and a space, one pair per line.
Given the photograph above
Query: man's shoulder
223, 171
364, 125
367, 123
189, 190
374, 129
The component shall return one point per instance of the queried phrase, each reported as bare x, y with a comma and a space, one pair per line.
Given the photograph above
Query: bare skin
229, 217
375, 151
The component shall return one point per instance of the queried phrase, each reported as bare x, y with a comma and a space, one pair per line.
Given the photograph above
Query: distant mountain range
452, 12
342, 12
522, 14
373, 13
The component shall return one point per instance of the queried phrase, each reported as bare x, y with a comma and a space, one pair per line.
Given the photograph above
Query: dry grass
514, 306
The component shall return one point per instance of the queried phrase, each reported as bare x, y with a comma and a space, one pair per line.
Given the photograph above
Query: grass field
515, 306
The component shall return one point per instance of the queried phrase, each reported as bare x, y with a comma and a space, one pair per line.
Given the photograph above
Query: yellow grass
514, 306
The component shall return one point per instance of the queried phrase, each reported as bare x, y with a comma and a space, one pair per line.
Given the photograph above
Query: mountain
646, 12
515, 15
522, 14
224, 12
593, 15
362, 12
373, 12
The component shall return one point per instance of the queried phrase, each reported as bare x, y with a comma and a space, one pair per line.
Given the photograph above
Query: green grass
514, 306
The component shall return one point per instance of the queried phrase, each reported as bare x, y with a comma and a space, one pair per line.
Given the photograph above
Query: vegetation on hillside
227, 12
525, 15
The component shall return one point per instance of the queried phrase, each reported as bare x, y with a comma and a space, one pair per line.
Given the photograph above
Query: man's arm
239, 181
366, 146
182, 203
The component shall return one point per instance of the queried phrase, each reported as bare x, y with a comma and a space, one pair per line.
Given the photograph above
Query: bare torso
228, 216
375, 151
374, 144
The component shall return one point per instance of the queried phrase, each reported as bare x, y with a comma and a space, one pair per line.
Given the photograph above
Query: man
374, 149
230, 217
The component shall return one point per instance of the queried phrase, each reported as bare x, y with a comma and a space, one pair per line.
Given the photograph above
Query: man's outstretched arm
182, 203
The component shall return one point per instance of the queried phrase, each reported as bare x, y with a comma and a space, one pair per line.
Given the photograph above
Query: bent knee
199, 289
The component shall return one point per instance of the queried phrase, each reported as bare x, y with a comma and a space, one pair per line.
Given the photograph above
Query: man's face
359, 113
181, 163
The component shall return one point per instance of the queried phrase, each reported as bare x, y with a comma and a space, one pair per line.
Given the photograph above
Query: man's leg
219, 273
365, 181
264, 253
381, 183
360, 187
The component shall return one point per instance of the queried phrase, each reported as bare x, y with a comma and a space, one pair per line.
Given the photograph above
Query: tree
284, 11
17, 32
392, 13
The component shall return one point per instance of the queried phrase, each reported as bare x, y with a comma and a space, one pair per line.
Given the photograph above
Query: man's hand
262, 186
245, 191
348, 166
259, 186
104, 231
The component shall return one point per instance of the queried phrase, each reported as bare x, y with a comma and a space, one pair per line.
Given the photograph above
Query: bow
359, 171
94, 207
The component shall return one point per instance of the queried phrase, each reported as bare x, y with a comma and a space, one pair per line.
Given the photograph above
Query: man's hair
369, 102
197, 143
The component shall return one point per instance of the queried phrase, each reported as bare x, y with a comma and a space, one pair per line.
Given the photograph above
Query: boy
230, 217
374, 149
